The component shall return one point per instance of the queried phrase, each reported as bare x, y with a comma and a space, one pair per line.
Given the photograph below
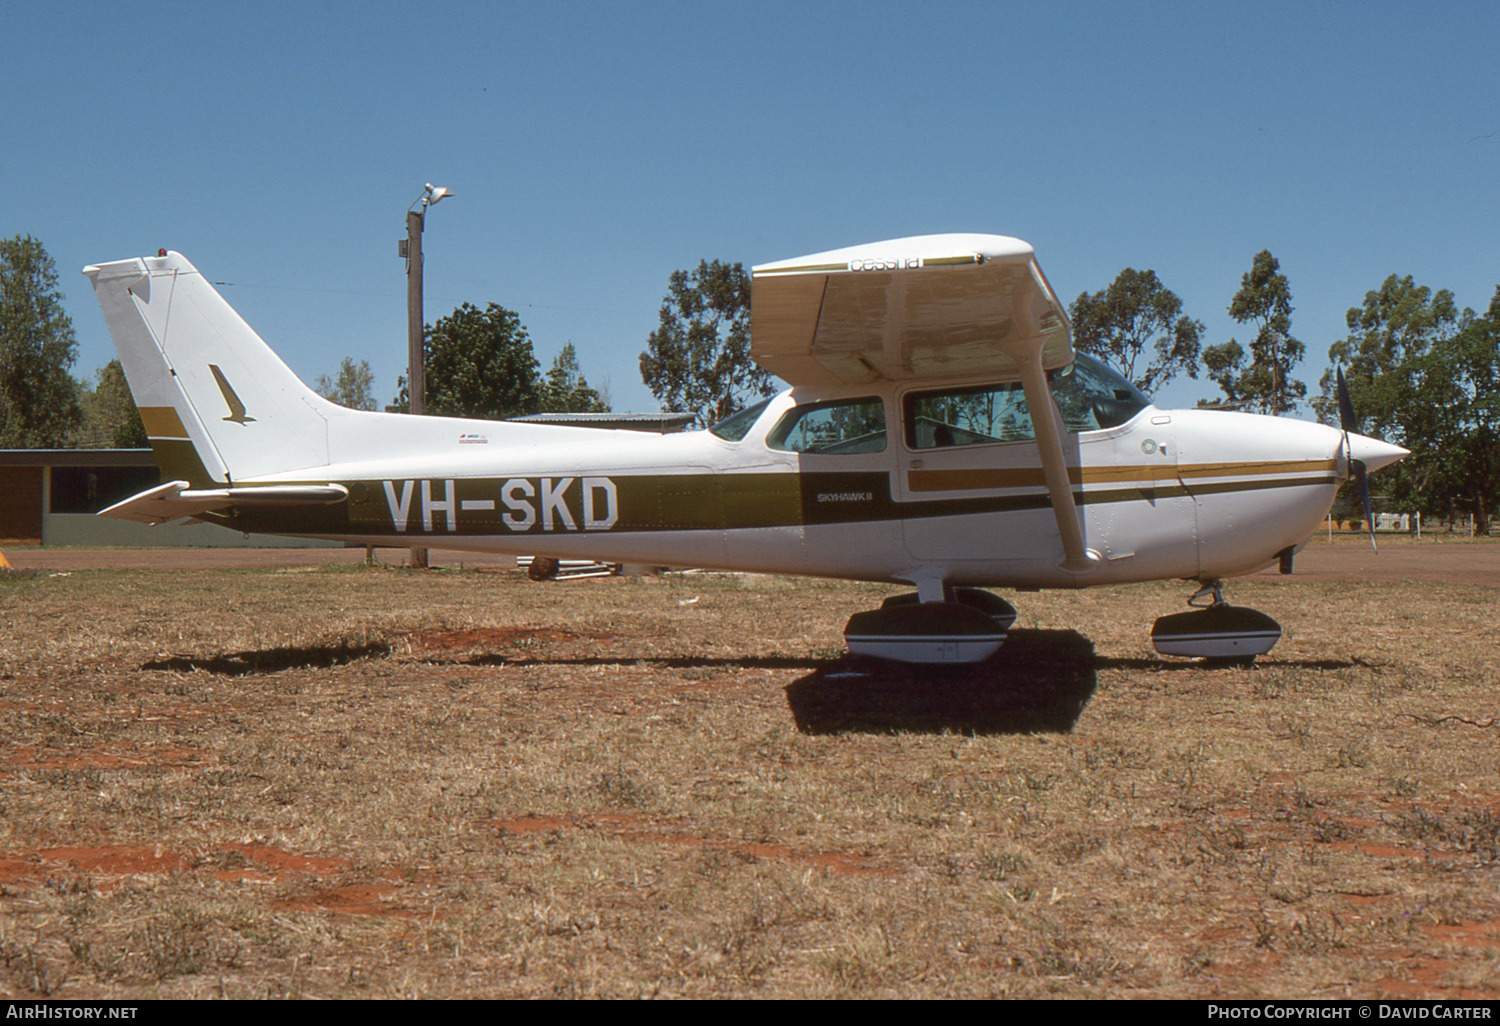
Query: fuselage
941, 431
1165, 494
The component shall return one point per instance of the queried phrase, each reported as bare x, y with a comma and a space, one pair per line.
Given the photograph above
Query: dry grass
375, 783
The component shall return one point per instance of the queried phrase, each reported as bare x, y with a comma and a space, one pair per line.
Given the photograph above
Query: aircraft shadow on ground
322, 657
271, 660
1179, 665
1039, 681
670, 662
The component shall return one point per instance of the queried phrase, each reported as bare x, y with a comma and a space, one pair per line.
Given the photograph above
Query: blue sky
595, 147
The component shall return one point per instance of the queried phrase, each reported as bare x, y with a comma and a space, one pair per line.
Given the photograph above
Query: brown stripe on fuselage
691, 502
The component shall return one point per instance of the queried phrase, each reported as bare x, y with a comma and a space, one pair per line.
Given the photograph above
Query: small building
49, 498
37, 483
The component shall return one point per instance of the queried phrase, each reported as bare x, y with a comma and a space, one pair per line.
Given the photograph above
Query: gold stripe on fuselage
1259, 469
1149, 475
162, 422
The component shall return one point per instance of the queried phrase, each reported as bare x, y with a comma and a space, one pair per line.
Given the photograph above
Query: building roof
77, 458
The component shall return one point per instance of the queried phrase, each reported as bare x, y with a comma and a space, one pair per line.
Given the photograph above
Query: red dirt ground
1400, 559
634, 828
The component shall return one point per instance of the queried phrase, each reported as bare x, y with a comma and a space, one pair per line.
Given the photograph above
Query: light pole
411, 249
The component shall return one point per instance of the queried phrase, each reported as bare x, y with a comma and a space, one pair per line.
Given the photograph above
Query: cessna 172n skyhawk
940, 431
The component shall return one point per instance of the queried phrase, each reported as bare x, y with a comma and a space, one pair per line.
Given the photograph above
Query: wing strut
1046, 420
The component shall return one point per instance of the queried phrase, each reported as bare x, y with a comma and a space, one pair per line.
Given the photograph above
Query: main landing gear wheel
967, 628
1218, 633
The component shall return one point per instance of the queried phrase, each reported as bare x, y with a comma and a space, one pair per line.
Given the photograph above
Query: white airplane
940, 432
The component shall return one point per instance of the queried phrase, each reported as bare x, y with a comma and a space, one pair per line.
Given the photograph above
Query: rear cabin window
835, 428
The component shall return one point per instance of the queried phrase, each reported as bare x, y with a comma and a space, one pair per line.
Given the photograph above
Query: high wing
923, 307
931, 306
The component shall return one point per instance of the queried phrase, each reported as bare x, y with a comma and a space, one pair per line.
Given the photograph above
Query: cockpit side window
838, 428
969, 416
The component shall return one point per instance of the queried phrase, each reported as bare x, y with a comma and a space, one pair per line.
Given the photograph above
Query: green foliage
1425, 375
1265, 384
1383, 353
698, 360
477, 363
38, 396
1137, 321
566, 391
352, 388
109, 415
1384, 357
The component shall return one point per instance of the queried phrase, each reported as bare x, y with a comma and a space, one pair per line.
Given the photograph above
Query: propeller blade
1358, 467
1347, 423
1347, 420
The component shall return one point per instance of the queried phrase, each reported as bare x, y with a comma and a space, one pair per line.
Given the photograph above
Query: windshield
1092, 395
734, 427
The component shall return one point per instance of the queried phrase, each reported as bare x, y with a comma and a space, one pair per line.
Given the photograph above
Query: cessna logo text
886, 264
526, 504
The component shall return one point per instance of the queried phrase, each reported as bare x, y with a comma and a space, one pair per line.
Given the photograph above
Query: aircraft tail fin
218, 404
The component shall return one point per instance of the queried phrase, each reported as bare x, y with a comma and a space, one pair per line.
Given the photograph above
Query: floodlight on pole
411, 249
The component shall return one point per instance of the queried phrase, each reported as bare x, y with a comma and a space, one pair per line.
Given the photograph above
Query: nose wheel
1213, 591
1215, 631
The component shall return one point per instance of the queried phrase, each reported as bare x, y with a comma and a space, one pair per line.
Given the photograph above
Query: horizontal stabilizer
176, 499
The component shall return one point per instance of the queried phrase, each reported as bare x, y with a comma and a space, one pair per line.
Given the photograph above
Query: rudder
217, 403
